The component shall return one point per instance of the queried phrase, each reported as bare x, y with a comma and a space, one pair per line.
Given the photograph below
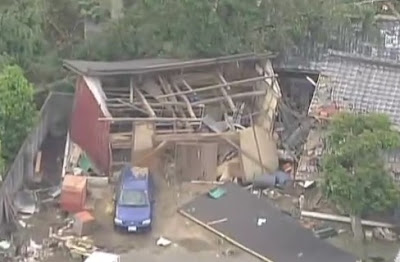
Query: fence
54, 116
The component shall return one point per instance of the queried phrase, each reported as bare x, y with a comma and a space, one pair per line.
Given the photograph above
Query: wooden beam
129, 105
184, 98
197, 137
187, 85
167, 89
238, 95
231, 84
145, 103
153, 153
131, 90
149, 119
344, 219
225, 94
163, 104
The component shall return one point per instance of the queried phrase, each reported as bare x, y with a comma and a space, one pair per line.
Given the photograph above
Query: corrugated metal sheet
87, 131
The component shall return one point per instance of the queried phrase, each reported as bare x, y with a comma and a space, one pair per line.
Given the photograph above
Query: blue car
134, 200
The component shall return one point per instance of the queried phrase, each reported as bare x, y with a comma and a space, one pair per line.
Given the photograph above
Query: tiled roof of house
359, 84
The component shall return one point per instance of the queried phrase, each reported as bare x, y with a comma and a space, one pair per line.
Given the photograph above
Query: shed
125, 109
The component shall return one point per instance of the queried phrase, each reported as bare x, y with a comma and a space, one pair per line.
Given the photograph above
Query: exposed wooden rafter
225, 94
167, 89
231, 84
145, 103
238, 95
184, 98
150, 119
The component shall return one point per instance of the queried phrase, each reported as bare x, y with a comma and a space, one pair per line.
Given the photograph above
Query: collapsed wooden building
212, 111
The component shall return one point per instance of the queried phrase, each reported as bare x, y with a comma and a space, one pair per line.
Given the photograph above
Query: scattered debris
98, 256
217, 192
307, 184
25, 202
83, 223
261, 221
4, 244
238, 230
369, 234
163, 242
325, 232
384, 234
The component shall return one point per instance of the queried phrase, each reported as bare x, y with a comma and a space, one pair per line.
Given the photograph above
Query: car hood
127, 213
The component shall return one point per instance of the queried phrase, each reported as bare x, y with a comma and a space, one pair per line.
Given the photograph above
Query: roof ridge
364, 58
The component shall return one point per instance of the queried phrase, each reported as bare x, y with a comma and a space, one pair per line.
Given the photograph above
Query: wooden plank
142, 140
266, 158
344, 219
209, 155
196, 137
207, 88
131, 90
236, 146
270, 102
146, 103
187, 85
168, 90
188, 162
153, 153
38, 163
149, 119
237, 95
184, 98
225, 94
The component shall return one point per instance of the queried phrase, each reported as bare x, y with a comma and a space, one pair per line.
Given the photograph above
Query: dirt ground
187, 237
189, 241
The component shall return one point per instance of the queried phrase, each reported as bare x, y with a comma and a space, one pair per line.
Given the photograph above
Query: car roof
134, 178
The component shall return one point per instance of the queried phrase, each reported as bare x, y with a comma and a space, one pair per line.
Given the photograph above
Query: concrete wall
54, 114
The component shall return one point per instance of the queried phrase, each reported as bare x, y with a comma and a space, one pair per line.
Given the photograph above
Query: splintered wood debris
202, 109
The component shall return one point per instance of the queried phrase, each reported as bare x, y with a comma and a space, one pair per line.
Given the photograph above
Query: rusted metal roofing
140, 66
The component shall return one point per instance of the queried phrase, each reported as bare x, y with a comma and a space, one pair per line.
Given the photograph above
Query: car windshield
132, 197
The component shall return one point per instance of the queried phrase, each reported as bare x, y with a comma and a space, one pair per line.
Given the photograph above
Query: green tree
356, 178
2, 167
190, 28
17, 110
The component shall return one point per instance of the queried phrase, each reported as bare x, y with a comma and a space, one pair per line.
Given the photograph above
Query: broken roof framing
352, 83
173, 96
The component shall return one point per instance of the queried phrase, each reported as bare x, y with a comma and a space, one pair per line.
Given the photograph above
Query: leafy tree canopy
355, 174
190, 28
17, 110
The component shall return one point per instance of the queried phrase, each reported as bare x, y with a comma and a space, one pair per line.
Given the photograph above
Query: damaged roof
280, 239
359, 84
140, 66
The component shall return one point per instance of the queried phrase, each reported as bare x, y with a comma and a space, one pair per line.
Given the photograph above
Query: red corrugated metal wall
92, 135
